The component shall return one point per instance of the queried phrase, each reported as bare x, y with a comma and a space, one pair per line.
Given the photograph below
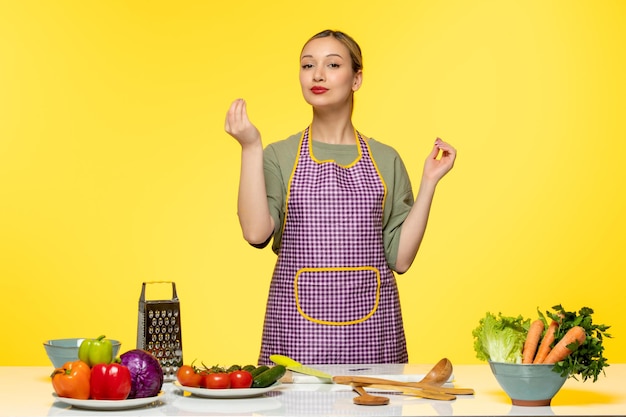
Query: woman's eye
307, 66
333, 65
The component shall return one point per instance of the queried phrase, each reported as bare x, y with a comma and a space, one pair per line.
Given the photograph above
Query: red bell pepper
110, 382
72, 380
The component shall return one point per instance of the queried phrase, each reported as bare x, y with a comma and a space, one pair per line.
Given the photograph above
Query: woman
340, 209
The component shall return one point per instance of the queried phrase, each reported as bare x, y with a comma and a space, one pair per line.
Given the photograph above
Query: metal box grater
159, 330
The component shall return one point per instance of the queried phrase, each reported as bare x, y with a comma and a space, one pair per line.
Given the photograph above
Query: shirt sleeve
398, 204
278, 161
276, 192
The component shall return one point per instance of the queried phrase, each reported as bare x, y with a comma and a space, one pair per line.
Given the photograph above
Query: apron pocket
337, 296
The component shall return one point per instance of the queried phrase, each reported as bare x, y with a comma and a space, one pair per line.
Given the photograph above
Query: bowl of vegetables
531, 360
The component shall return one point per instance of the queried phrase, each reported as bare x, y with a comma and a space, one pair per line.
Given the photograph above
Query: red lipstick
318, 89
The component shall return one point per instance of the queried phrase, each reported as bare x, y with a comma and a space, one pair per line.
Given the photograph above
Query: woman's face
326, 74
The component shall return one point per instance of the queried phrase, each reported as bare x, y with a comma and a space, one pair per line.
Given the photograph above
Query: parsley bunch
586, 360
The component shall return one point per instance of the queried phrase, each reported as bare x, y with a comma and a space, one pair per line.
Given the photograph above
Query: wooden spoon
446, 392
415, 392
366, 398
432, 381
440, 373
366, 381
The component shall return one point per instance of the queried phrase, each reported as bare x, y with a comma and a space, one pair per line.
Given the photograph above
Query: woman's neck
332, 128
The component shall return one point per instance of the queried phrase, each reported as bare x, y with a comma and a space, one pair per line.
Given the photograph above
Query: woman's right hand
239, 126
252, 207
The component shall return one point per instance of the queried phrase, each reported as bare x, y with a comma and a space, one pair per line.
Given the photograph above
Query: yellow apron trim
351, 164
382, 180
293, 171
338, 323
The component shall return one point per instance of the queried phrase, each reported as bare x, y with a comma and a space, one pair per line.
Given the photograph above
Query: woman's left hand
435, 169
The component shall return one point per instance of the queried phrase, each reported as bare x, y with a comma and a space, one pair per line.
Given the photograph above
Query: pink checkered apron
333, 298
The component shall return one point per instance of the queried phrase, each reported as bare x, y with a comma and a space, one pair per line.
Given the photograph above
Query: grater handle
142, 297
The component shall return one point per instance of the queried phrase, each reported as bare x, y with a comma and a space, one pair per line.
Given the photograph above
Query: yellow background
115, 168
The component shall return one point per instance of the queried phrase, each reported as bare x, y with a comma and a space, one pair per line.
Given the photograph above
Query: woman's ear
358, 79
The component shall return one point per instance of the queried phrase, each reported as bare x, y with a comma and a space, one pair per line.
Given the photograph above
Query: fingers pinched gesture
239, 126
435, 169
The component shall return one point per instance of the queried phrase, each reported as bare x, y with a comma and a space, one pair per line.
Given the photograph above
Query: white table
27, 391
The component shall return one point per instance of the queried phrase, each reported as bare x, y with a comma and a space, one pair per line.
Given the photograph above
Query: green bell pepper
96, 351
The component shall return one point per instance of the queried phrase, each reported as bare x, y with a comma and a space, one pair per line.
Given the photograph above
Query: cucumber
248, 368
233, 368
269, 377
259, 370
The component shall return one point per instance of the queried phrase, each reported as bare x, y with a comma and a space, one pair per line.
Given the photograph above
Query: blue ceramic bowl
66, 350
528, 384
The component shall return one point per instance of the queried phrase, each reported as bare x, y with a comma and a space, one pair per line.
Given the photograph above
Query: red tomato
216, 380
240, 379
188, 376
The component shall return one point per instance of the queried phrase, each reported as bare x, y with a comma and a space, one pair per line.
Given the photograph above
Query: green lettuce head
500, 339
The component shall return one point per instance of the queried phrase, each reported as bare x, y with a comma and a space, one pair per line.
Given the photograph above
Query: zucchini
259, 370
284, 360
269, 377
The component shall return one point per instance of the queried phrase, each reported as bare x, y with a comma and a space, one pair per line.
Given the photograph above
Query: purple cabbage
145, 372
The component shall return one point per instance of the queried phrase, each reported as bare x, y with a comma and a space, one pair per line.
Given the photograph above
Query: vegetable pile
568, 339
97, 375
235, 376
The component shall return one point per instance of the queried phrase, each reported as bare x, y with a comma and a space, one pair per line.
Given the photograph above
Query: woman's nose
318, 75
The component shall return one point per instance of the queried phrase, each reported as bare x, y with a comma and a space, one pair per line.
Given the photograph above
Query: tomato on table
216, 380
188, 376
240, 379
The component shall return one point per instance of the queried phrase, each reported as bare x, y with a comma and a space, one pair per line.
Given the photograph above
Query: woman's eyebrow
327, 56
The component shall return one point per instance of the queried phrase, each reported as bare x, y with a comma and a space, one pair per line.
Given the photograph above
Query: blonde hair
353, 47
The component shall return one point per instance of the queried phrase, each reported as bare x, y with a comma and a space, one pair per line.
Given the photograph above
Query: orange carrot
560, 351
532, 341
546, 342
